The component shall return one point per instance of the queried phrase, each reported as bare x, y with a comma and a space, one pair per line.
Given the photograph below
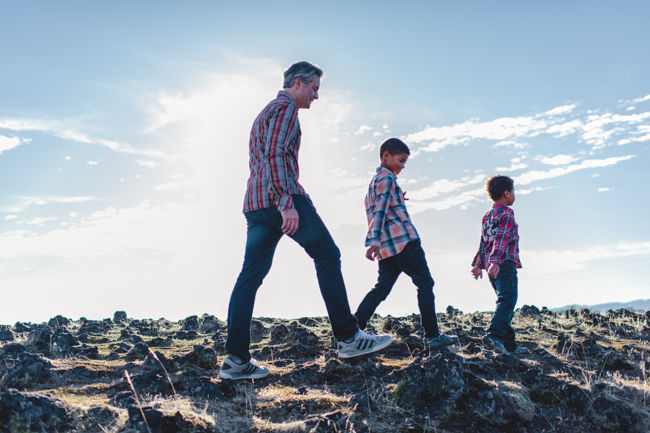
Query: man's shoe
363, 343
440, 341
248, 370
520, 351
494, 344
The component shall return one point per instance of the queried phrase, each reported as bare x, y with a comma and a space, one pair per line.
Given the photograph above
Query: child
499, 254
393, 240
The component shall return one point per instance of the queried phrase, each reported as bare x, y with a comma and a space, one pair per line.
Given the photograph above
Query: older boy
498, 252
276, 204
393, 240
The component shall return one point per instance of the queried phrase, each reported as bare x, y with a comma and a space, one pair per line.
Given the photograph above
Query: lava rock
186, 335
59, 322
160, 342
19, 409
279, 332
258, 331
119, 316
190, 324
139, 351
6, 334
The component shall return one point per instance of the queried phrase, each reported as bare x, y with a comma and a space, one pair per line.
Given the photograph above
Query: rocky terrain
587, 372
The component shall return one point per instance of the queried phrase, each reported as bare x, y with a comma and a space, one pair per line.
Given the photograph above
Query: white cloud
455, 200
92, 162
604, 189
8, 143
175, 184
39, 221
513, 167
363, 128
557, 159
535, 175
369, 146
514, 144
539, 263
150, 164
444, 186
10, 217
564, 109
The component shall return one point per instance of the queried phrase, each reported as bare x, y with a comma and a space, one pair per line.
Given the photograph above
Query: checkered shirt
273, 150
389, 224
499, 238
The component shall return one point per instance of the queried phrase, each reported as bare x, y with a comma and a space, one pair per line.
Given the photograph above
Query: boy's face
394, 163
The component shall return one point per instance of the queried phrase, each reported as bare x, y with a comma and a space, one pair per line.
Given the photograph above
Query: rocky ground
587, 372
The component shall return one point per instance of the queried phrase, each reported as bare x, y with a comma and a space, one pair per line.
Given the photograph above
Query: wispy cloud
535, 175
72, 130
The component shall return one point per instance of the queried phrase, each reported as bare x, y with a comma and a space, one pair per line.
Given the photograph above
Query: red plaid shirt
389, 224
273, 150
499, 238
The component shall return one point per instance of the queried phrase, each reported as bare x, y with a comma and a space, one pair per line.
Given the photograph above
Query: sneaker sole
441, 345
239, 376
367, 351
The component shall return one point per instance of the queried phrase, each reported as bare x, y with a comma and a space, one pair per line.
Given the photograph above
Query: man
275, 204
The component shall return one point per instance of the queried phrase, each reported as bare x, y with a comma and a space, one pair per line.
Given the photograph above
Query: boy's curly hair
497, 185
393, 146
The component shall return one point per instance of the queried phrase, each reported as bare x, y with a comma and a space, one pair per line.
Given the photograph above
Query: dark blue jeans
412, 262
263, 234
505, 286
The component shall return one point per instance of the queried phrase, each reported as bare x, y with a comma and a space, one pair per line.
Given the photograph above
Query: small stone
119, 316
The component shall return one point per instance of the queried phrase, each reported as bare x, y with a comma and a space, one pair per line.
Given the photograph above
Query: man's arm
282, 126
383, 190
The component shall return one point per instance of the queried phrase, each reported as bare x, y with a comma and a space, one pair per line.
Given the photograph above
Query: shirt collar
501, 206
384, 169
286, 96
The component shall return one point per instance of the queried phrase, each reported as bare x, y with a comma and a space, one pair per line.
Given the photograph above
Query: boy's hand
372, 252
493, 271
290, 220
477, 272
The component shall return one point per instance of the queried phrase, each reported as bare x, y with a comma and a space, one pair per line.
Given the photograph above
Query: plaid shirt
499, 238
273, 150
389, 224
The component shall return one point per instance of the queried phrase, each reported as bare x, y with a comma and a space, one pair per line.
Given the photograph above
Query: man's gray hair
303, 70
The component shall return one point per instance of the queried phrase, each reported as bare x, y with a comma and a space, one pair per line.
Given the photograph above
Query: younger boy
393, 240
498, 253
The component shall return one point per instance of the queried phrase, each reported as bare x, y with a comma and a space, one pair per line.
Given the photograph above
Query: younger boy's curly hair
393, 146
497, 185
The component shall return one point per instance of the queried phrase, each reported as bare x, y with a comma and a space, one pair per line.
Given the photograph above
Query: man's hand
493, 271
290, 220
477, 273
372, 252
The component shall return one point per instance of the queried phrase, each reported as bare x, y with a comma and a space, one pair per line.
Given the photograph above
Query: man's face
306, 93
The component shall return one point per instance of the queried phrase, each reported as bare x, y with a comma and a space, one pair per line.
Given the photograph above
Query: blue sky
124, 129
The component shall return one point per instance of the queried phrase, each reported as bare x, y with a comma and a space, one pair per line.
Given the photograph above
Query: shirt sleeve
282, 126
383, 190
502, 238
478, 257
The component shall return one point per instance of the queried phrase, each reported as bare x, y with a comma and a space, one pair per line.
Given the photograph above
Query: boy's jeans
412, 262
263, 234
505, 286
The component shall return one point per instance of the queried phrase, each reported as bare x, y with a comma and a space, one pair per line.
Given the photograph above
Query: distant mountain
638, 305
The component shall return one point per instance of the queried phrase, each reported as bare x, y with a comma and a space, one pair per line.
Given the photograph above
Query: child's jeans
505, 286
412, 262
262, 236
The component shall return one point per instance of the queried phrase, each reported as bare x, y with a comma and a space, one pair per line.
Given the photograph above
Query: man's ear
298, 83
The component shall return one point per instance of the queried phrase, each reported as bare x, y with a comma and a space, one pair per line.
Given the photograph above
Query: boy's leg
261, 240
505, 287
314, 237
388, 274
421, 276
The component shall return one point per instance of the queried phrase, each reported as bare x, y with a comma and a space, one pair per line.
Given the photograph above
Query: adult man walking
276, 204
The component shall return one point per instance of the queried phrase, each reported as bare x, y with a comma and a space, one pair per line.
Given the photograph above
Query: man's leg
314, 237
388, 274
261, 240
421, 276
505, 287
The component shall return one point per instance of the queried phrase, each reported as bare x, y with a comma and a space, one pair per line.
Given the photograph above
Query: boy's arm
383, 190
501, 240
282, 126
477, 272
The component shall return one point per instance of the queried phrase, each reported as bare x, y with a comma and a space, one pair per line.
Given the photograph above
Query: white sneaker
363, 343
249, 370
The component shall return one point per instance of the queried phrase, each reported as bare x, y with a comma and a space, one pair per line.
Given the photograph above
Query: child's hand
372, 252
477, 273
493, 271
